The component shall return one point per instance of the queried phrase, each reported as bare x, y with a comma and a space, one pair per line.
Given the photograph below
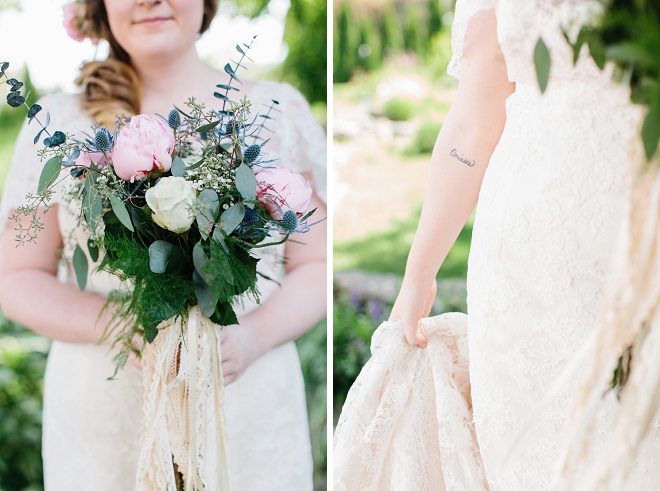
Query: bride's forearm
292, 309
463, 149
36, 299
457, 169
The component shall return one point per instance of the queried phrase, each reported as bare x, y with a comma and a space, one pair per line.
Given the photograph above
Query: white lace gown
547, 222
91, 425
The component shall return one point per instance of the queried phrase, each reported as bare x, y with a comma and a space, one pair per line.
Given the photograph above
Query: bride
549, 171
91, 424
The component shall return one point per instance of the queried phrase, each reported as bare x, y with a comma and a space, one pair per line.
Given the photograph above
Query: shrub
398, 110
312, 352
353, 324
424, 140
22, 364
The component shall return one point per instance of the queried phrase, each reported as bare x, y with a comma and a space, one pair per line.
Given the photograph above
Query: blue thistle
103, 139
227, 128
174, 119
251, 153
289, 221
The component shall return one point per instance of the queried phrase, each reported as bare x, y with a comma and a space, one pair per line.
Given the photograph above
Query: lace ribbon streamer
407, 420
183, 409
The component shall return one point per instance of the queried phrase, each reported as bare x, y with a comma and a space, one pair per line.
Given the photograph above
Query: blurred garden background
291, 47
391, 96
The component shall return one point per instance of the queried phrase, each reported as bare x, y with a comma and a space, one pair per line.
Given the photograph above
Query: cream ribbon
183, 408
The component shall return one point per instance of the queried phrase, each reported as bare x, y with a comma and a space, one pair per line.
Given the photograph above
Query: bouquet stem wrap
183, 408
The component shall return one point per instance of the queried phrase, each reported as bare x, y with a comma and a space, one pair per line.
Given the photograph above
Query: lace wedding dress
91, 425
548, 219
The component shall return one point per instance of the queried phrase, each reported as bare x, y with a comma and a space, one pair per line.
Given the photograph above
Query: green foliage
352, 329
394, 27
397, 109
542, 64
440, 52
628, 34
22, 364
346, 43
387, 251
425, 138
10, 125
312, 351
155, 296
305, 33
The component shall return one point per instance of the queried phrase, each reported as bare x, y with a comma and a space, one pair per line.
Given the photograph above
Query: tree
305, 33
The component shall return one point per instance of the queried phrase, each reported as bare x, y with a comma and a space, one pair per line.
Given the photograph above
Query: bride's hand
239, 350
413, 304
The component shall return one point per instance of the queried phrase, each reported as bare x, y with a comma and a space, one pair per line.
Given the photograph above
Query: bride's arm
291, 310
31, 295
460, 157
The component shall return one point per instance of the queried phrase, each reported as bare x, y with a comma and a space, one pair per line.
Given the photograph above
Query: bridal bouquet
176, 205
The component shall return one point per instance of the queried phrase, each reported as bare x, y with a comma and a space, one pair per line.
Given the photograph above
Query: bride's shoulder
64, 109
62, 101
286, 96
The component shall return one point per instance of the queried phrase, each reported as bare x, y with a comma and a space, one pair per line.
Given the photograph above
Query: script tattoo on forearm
466, 161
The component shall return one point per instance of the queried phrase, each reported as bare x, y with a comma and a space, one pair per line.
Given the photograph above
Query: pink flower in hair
77, 27
72, 21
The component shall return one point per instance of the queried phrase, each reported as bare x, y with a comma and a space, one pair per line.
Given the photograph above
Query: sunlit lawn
387, 251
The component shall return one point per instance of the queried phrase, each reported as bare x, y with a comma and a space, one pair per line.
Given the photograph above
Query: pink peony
143, 146
279, 186
71, 12
86, 159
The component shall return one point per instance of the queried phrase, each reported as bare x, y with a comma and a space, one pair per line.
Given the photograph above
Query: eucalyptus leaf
159, 253
230, 71
207, 127
651, 131
178, 167
92, 204
56, 140
582, 37
49, 173
209, 204
226, 87
232, 217
93, 250
246, 182
597, 52
205, 297
80, 267
33, 112
14, 99
220, 96
119, 208
542, 64
200, 260
36, 138
182, 112
195, 165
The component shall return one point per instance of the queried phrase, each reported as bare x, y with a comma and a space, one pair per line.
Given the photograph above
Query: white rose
171, 201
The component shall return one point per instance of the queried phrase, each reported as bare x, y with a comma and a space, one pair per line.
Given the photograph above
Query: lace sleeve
26, 165
464, 10
303, 145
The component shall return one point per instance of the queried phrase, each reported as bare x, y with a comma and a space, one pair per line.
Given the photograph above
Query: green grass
387, 251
